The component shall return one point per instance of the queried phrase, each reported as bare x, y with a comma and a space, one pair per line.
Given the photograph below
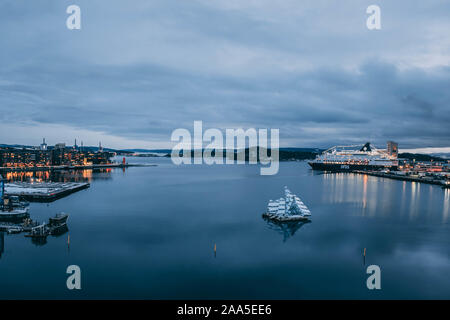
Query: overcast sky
137, 70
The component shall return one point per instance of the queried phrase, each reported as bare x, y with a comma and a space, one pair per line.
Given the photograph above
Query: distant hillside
14, 146
314, 150
147, 150
284, 150
285, 154
441, 155
420, 157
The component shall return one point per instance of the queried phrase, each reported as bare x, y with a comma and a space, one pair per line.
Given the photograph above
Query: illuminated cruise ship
357, 157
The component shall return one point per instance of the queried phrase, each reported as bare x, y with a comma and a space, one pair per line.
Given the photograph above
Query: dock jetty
45, 191
424, 179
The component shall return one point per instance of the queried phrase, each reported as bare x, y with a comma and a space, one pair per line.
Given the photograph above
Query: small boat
287, 209
16, 202
14, 214
10, 209
39, 232
14, 230
28, 224
59, 219
10, 227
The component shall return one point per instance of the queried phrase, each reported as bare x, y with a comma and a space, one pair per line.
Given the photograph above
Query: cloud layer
134, 73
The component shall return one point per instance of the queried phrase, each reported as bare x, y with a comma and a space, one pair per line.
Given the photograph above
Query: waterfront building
392, 148
13, 157
43, 146
45, 156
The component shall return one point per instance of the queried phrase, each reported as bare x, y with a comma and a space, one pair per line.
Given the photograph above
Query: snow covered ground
22, 188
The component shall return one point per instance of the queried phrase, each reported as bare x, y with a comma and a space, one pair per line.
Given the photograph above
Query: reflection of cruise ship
346, 158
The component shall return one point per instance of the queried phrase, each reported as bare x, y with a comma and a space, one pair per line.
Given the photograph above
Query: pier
45, 191
424, 179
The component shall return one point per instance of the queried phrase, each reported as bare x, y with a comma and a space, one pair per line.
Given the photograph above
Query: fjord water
149, 232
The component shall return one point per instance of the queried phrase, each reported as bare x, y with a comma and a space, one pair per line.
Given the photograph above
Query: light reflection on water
446, 206
149, 233
381, 196
86, 175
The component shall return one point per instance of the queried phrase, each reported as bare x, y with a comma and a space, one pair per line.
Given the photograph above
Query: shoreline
403, 178
87, 167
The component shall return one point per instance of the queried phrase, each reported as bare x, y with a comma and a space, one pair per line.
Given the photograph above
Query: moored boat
14, 230
17, 202
59, 219
39, 232
11, 208
14, 214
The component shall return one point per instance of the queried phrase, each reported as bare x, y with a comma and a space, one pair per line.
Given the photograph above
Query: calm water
149, 232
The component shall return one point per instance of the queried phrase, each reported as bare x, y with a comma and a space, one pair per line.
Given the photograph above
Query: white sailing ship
289, 208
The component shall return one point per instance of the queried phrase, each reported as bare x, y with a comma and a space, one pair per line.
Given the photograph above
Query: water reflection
59, 231
287, 229
446, 205
376, 197
365, 191
105, 231
87, 175
2, 243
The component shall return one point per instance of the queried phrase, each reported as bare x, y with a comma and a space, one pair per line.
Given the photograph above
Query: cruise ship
356, 157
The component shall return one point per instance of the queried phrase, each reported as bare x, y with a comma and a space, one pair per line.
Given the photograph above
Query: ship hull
13, 215
337, 167
285, 218
58, 220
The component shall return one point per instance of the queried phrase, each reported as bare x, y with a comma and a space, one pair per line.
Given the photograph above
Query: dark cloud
312, 70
